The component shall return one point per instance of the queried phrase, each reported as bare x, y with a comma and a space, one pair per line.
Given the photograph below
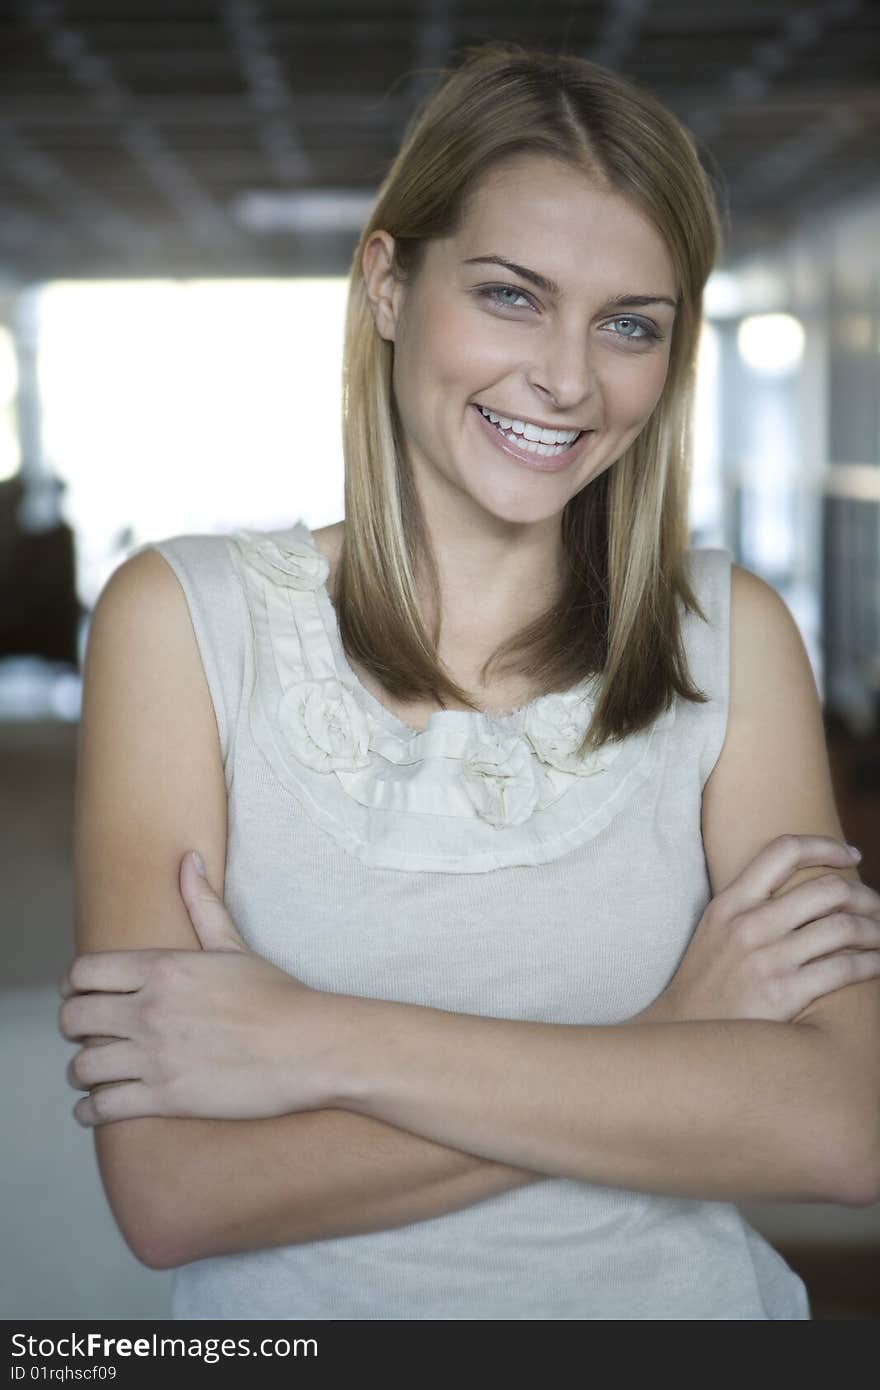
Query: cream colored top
472, 866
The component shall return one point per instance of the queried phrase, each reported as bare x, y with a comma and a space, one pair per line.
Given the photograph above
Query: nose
565, 372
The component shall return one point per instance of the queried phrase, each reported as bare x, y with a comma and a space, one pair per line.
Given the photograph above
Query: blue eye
492, 292
648, 329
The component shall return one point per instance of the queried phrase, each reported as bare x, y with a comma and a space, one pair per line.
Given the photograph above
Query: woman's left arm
719, 1109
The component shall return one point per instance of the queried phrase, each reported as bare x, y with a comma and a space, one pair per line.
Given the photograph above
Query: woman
500, 1005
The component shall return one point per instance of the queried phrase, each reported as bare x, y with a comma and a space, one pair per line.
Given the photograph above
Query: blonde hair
625, 534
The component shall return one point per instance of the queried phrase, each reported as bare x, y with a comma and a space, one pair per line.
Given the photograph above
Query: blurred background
181, 190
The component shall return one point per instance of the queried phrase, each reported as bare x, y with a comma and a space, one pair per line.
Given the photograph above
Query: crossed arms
734, 1108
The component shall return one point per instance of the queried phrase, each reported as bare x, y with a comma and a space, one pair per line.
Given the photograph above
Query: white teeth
531, 432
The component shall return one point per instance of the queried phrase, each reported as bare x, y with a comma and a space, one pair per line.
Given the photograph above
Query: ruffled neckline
472, 791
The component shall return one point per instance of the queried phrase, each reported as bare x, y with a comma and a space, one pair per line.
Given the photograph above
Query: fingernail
199, 863
856, 853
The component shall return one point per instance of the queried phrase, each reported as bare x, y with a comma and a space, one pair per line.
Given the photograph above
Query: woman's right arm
149, 785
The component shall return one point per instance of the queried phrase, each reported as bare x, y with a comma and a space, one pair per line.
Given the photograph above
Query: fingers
821, 977
839, 931
193, 885
95, 1066
84, 1014
213, 925
125, 1101
107, 970
817, 898
774, 865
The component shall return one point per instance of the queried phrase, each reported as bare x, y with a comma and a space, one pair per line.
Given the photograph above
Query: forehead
555, 219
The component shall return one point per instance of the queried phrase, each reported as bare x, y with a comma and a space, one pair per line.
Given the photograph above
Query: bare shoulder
141, 631
760, 620
144, 602
144, 580
771, 677
772, 776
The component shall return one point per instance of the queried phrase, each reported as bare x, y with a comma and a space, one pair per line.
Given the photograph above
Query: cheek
440, 354
636, 391
464, 350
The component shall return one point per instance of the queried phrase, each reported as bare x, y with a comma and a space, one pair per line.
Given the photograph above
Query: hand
219, 1033
756, 956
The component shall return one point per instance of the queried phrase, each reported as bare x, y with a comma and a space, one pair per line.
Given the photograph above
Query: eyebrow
630, 301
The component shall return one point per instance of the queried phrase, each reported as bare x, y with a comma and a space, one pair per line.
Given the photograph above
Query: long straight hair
625, 535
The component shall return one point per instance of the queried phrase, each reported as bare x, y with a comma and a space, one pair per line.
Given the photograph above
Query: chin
523, 511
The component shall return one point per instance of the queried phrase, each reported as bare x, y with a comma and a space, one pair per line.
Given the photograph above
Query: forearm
726, 1110
217, 1187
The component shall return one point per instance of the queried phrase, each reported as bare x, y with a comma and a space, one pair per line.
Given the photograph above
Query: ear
384, 290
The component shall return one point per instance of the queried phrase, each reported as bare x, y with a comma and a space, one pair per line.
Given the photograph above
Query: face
560, 356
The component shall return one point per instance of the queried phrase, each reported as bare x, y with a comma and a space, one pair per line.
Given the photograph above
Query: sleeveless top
475, 867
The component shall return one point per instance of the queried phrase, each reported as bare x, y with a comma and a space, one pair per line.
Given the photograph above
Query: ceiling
165, 138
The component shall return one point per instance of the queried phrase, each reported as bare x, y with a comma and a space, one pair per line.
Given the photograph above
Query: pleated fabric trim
470, 793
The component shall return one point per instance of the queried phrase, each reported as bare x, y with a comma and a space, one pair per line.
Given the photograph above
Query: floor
64, 1258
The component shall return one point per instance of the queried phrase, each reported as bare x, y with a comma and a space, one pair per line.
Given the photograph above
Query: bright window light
10, 453
771, 344
176, 407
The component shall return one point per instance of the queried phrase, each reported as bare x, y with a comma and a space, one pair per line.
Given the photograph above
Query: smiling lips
547, 458
531, 430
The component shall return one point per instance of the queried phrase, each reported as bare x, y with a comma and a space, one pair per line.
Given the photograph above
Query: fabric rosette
500, 776
290, 563
555, 726
325, 726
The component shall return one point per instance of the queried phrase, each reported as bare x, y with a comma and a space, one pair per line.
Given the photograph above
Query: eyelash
649, 331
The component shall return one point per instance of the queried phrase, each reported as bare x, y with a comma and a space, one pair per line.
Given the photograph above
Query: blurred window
173, 406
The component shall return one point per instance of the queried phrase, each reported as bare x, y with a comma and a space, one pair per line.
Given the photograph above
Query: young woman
522, 950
